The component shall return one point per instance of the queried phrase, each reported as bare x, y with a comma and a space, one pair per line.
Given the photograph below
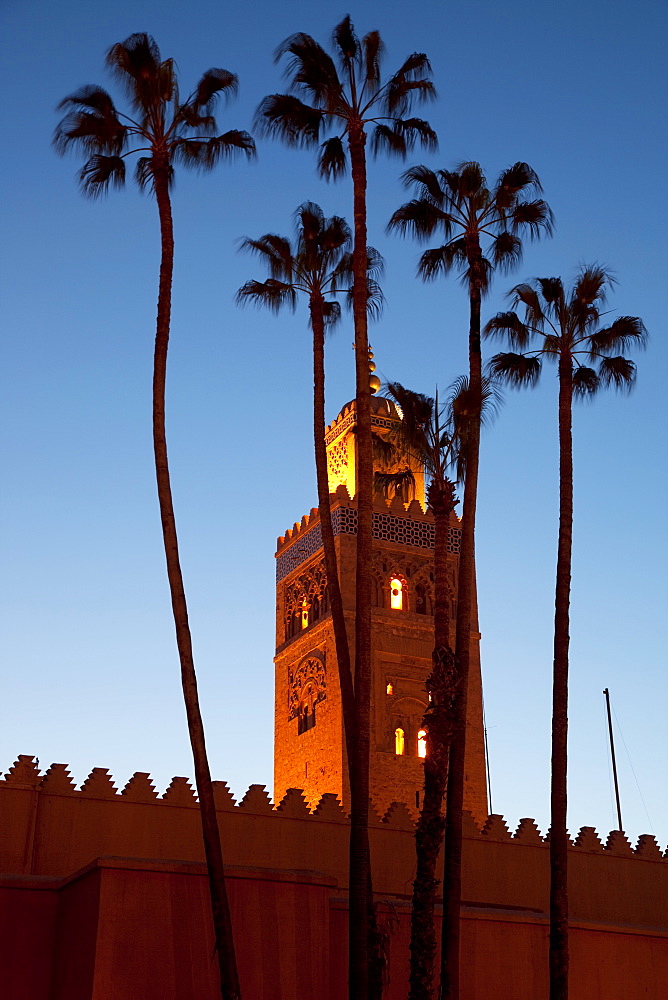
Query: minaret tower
309, 742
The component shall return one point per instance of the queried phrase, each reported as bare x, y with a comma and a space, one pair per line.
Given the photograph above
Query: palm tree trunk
452, 888
558, 829
361, 932
331, 565
229, 980
438, 725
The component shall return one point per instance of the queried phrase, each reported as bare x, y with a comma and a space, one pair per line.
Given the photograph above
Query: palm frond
346, 40
213, 83
309, 68
510, 326
204, 154
144, 172
525, 294
331, 313
516, 370
390, 140
275, 251
590, 285
270, 293
136, 65
532, 217
586, 381
91, 123
417, 130
285, 116
506, 251
441, 260
625, 332
426, 181
421, 218
373, 52
391, 484
519, 177
100, 173
472, 181
332, 162
412, 81
618, 372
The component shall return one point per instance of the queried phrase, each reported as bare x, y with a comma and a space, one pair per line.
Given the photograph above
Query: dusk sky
90, 667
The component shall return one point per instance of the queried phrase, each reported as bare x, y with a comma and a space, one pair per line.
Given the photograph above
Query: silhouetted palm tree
434, 436
348, 101
567, 326
319, 265
482, 230
167, 131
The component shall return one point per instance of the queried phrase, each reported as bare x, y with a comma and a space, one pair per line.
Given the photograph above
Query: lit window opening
390, 688
304, 614
422, 743
399, 741
396, 594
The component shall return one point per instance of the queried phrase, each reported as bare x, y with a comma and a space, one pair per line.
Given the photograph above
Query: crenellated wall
102, 888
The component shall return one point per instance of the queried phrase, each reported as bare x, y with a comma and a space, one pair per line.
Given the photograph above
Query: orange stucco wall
105, 896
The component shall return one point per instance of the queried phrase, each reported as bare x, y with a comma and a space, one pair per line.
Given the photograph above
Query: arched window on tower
399, 743
396, 594
422, 743
304, 613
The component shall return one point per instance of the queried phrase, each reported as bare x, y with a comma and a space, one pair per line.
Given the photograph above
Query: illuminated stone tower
309, 744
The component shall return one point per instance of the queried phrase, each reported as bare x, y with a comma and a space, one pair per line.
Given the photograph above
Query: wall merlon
329, 809
398, 817
496, 828
588, 840
618, 844
528, 833
293, 804
180, 793
256, 800
57, 780
24, 771
222, 796
99, 785
140, 788
648, 848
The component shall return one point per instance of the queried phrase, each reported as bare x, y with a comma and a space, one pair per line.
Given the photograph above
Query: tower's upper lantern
341, 441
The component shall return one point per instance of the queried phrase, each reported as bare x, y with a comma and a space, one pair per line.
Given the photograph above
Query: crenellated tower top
341, 440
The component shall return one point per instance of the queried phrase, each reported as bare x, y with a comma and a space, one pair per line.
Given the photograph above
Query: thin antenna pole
614, 762
489, 776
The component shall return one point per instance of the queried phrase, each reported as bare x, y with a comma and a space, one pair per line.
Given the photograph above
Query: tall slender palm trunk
331, 563
559, 798
229, 979
361, 896
438, 724
452, 888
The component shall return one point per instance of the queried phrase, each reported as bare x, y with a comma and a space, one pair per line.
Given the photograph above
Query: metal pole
489, 776
614, 762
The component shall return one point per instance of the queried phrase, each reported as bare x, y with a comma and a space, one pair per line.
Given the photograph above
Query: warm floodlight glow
399, 741
422, 743
390, 688
396, 594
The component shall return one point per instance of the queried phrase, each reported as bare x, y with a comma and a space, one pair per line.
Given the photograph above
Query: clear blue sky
90, 672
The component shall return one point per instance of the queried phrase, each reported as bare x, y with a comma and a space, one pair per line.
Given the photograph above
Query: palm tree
482, 229
568, 328
434, 436
350, 100
319, 266
167, 131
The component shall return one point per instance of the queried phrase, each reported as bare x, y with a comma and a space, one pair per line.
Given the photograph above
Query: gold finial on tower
374, 381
